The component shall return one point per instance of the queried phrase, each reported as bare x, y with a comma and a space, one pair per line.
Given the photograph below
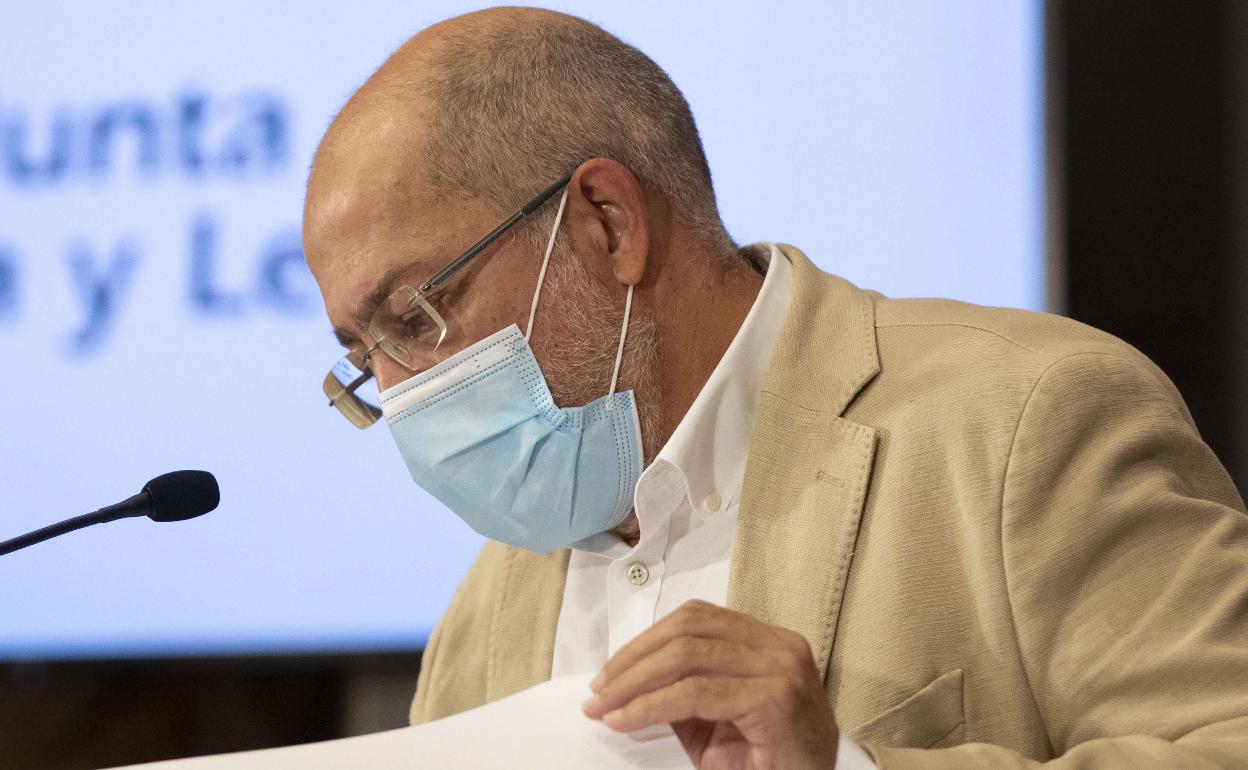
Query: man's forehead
351, 244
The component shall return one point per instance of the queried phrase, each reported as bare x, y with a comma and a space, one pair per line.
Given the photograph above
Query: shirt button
637, 573
713, 502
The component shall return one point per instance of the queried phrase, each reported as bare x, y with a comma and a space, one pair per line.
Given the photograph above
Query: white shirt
686, 503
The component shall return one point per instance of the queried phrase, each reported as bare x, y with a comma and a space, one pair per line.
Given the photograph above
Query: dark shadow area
1149, 131
92, 714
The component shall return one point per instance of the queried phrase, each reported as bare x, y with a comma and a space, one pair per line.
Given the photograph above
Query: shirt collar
706, 453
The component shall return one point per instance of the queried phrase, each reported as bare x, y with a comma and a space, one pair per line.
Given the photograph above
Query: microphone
172, 497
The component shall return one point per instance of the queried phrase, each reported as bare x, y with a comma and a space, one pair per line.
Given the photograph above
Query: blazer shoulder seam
973, 327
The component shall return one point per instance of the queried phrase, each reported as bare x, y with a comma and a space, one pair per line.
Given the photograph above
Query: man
807, 525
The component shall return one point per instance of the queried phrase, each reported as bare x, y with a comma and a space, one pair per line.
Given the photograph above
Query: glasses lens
353, 391
408, 328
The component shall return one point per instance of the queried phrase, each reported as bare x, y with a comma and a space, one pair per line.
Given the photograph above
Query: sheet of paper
541, 727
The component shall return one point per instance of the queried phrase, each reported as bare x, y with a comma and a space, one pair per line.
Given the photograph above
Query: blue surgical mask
481, 432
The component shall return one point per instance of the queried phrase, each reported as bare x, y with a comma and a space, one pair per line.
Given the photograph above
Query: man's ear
609, 221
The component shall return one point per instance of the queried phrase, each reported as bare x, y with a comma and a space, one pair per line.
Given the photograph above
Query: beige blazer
999, 530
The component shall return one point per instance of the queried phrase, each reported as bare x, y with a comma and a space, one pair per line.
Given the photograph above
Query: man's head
468, 120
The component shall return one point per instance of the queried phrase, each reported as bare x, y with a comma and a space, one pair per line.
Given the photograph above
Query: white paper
541, 727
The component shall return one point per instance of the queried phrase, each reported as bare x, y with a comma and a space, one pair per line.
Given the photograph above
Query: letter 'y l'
99, 290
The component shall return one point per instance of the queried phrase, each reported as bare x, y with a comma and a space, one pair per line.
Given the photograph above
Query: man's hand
738, 692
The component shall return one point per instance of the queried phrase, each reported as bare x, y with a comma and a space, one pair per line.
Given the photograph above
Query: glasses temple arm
454, 267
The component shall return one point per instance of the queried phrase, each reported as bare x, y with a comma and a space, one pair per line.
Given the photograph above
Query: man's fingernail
590, 703
595, 684
613, 718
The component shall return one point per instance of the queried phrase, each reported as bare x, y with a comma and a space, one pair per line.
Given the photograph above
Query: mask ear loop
537, 293
619, 352
541, 276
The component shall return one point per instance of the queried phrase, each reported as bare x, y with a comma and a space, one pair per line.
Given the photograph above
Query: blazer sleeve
1124, 547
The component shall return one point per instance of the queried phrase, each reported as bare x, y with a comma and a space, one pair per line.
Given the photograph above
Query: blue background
155, 312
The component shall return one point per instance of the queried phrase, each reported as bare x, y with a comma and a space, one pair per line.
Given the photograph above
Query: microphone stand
134, 506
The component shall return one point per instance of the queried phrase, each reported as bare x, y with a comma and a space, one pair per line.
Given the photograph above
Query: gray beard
576, 334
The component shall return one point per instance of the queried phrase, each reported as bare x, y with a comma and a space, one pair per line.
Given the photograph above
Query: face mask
481, 432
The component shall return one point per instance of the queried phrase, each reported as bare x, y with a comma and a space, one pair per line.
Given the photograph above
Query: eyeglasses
408, 327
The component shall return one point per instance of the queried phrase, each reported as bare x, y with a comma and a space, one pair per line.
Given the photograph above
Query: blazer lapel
808, 468
525, 615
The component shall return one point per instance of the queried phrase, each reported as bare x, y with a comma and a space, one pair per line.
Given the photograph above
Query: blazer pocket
930, 718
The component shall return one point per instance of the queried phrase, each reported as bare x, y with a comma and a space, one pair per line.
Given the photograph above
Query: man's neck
704, 303
696, 328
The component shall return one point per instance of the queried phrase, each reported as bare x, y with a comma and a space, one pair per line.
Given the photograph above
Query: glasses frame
431, 287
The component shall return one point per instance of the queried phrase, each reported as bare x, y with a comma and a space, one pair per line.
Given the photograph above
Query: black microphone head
182, 495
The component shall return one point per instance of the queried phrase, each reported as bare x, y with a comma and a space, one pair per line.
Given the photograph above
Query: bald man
805, 524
